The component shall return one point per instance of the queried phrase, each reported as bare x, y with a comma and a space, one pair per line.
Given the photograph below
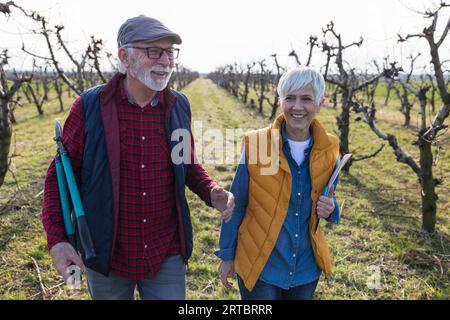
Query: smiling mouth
160, 73
298, 116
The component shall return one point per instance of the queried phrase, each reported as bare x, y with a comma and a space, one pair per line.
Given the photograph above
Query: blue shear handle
83, 228
63, 196
75, 195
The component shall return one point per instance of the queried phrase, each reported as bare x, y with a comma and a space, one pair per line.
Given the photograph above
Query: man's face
145, 65
299, 110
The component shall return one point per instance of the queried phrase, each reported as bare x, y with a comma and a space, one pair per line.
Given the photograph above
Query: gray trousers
168, 284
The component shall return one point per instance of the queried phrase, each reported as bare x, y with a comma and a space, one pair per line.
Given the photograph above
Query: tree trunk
429, 196
5, 139
274, 106
26, 93
433, 100
406, 108
407, 115
12, 117
343, 121
388, 93
59, 92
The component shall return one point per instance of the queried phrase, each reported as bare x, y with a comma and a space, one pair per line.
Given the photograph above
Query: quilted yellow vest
269, 195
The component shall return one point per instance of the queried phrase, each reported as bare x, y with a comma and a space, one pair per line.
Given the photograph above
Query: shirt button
143, 166
299, 194
145, 246
296, 235
296, 214
290, 273
144, 221
143, 138
294, 255
144, 194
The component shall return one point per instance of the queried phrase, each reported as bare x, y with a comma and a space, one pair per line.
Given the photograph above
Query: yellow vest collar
321, 140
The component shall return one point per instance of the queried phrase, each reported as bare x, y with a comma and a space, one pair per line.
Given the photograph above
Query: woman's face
299, 110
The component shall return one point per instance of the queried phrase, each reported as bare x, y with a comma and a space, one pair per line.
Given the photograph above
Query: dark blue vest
97, 183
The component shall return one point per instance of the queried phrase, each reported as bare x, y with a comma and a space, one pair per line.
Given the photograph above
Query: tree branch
373, 154
401, 155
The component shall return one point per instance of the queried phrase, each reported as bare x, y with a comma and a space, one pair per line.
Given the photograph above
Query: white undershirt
298, 149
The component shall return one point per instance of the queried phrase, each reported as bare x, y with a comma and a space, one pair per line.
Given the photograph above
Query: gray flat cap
142, 28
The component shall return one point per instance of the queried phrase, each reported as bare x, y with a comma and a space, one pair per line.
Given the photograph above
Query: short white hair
299, 78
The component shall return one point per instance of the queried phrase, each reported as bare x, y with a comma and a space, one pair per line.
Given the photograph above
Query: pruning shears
67, 186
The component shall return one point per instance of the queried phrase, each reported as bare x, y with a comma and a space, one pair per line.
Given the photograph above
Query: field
380, 231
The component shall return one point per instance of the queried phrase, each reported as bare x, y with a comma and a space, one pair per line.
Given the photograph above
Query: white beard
144, 75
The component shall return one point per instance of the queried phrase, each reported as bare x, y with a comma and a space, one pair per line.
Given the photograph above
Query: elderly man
119, 138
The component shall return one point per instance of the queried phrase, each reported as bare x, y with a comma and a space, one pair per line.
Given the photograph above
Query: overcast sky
216, 33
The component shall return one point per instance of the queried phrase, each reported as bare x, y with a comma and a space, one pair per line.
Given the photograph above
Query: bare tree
92, 51
37, 89
244, 95
349, 84
312, 42
404, 96
263, 79
7, 93
428, 134
433, 89
57, 85
182, 77
276, 98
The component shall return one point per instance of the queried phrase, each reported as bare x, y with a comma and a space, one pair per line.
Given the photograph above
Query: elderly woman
271, 241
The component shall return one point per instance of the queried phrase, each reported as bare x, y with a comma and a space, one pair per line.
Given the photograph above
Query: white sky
215, 33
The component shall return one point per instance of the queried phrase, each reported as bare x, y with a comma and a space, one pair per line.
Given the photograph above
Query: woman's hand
325, 206
226, 269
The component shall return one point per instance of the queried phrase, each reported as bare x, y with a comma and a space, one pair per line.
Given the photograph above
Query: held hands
63, 255
223, 201
226, 270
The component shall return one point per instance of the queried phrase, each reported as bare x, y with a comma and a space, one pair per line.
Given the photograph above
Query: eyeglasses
157, 52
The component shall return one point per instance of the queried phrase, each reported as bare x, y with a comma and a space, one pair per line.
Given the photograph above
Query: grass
380, 230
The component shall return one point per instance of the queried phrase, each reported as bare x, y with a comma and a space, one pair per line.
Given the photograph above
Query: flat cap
143, 28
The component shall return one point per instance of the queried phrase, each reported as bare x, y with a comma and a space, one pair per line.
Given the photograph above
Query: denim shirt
292, 261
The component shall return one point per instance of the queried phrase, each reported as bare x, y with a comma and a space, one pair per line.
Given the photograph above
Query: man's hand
63, 255
325, 207
226, 270
223, 201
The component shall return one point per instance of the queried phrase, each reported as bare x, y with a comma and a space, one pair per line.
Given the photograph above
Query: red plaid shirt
147, 227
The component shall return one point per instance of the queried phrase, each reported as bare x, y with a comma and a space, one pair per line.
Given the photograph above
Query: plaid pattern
147, 231
148, 228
